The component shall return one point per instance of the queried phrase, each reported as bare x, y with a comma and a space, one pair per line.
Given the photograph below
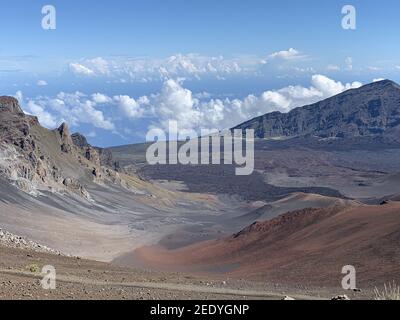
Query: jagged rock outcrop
114, 177
107, 159
34, 158
15, 125
10, 104
89, 152
92, 155
79, 140
20, 156
370, 110
66, 140
75, 186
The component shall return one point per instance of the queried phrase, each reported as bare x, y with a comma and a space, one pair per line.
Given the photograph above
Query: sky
113, 70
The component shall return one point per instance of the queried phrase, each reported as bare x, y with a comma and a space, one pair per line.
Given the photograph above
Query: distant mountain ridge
369, 110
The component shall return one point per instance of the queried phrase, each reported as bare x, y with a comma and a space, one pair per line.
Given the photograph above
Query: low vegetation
389, 292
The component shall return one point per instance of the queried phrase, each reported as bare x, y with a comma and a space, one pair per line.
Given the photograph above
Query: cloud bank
191, 110
179, 65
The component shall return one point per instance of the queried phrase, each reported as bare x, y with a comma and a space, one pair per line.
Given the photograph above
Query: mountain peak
386, 81
10, 104
369, 110
382, 84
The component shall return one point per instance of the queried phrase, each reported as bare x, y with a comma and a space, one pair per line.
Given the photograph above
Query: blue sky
115, 69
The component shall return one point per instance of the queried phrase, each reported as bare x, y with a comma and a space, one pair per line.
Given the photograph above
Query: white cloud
175, 102
189, 66
91, 134
333, 67
129, 106
305, 70
378, 79
202, 95
77, 108
100, 98
42, 83
19, 96
94, 116
290, 54
329, 87
349, 63
73, 108
45, 118
99, 65
80, 69
123, 69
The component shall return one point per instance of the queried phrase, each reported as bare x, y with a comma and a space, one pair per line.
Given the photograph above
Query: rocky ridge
34, 158
373, 109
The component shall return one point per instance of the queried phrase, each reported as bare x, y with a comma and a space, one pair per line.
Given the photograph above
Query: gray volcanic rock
36, 159
10, 104
89, 152
79, 140
10, 240
370, 110
66, 140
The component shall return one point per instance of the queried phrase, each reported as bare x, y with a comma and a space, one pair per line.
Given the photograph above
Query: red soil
308, 246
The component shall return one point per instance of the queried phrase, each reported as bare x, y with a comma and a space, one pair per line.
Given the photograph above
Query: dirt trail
162, 286
80, 279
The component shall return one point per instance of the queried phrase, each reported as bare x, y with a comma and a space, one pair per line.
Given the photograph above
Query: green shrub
34, 268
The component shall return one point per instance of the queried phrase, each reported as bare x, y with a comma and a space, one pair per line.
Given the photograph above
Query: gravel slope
80, 279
